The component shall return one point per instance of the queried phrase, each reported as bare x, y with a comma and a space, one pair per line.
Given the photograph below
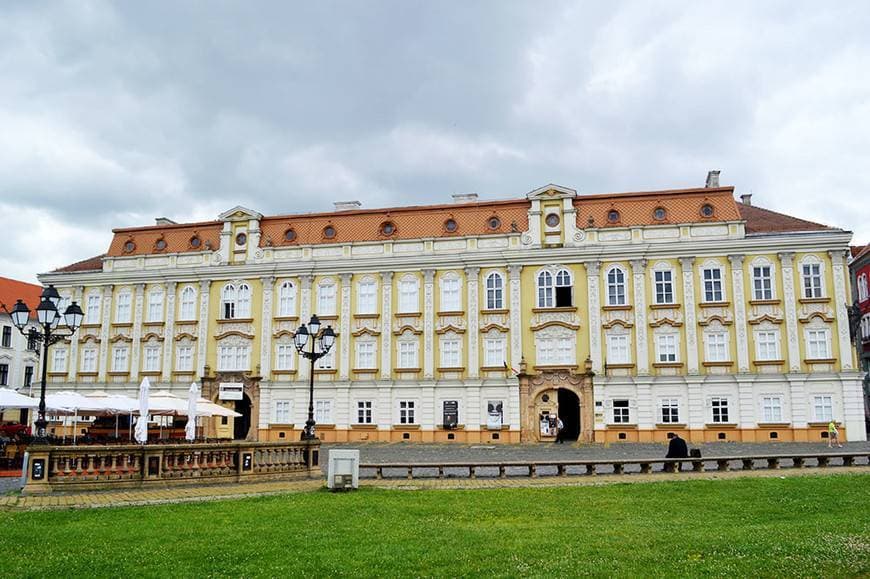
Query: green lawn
816, 526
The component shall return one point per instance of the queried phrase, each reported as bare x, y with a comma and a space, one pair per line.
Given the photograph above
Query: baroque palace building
631, 316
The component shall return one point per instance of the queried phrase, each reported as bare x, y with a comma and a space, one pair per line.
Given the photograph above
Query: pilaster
386, 323
841, 298
105, 323
791, 330
686, 263
304, 315
168, 331
138, 302
77, 295
202, 338
428, 324
344, 327
266, 329
638, 269
472, 275
740, 312
593, 270
516, 320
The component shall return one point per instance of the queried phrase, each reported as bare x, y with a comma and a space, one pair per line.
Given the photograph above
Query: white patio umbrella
115, 405
206, 408
190, 429
12, 399
141, 433
75, 403
167, 404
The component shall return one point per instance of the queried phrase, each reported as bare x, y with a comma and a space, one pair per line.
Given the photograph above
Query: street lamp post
311, 336
48, 317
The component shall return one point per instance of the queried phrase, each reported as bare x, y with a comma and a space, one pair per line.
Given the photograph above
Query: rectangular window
766, 345
184, 359
664, 282
366, 298
365, 355
122, 308
812, 277
717, 347
327, 362
621, 413
670, 410
713, 285
823, 408
666, 345
555, 350
188, 304
152, 359
408, 355
762, 283
89, 360
818, 345
92, 312
450, 357
286, 299
4, 374
494, 352
364, 412
771, 408
58, 362
719, 408
323, 411
120, 359
28, 375
155, 307
617, 350
283, 412
7, 336
450, 298
233, 358
326, 299
284, 356
406, 412
408, 301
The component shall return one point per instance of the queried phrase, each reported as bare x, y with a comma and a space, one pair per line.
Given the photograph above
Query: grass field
817, 526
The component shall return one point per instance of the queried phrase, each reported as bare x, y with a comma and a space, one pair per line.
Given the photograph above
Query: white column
798, 395
746, 402
638, 268
386, 324
342, 417
226, 242
646, 406
138, 299
168, 331
105, 323
740, 312
202, 329
77, 295
697, 403
841, 298
344, 327
791, 330
472, 275
689, 307
428, 324
593, 282
305, 315
516, 319
266, 331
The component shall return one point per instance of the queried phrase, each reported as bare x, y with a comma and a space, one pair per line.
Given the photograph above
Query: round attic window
388, 228
195, 242
659, 214
494, 222
129, 246
160, 245
241, 239
707, 210
552, 220
329, 232
613, 216
290, 235
450, 225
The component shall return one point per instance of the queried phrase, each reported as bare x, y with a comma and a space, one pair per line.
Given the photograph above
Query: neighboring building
632, 315
859, 267
19, 365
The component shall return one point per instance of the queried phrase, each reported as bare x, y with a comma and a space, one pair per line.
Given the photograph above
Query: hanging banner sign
231, 391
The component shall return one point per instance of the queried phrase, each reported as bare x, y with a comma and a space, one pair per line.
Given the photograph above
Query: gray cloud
114, 113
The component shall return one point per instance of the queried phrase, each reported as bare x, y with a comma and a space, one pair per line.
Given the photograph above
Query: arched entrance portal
569, 412
242, 424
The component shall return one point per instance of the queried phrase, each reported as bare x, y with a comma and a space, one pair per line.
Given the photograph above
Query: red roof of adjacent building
759, 220
12, 290
91, 264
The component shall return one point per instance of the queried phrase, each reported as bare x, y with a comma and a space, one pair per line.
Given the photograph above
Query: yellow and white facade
631, 316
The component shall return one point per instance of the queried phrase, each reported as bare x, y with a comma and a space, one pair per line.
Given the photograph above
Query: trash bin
343, 471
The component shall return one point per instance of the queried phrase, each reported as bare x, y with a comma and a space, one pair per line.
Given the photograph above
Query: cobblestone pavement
9, 483
130, 498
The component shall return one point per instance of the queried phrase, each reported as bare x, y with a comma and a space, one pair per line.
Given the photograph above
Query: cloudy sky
112, 114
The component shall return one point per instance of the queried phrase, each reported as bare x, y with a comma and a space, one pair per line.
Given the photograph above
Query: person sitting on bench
677, 448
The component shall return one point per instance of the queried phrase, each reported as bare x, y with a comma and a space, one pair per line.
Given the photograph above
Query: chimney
465, 197
712, 179
164, 221
746, 198
347, 205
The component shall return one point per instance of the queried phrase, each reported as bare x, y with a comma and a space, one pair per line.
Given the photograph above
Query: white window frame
720, 410
366, 296
184, 358
408, 354
763, 286
713, 280
151, 358
286, 299
92, 311
716, 346
618, 348
285, 357
762, 346
664, 287
283, 411
327, 362
450, 351
812, 282
546, 289
187, 305
323, 411
327, 298
616, 286
89, 359
407, 412
494, 291
624, 414
823, 408
364, 412
124, 307
670, 411
366, 354
772, 409
494, 351
155, 306
450, 290
121, 358
234, 357
243, 307
229, 309
817, 343
409, 295
668, 348
555, 349
59, 360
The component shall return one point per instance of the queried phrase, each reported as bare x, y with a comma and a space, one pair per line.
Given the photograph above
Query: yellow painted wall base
277, 434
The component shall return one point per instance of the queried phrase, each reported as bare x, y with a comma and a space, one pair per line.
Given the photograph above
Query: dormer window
241, 239
160, 245
613, 216
329, 232
552, 220
195, 242
659, 214
129, 247
450, 225
290, 235
707, 210
493, 223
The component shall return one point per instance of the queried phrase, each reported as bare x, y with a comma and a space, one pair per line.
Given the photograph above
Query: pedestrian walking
560, 426
833, 435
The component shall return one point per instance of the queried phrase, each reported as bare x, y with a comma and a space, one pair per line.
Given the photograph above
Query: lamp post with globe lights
49, 318
319, 343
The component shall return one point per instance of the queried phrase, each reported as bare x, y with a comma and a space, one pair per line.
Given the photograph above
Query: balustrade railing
53, 468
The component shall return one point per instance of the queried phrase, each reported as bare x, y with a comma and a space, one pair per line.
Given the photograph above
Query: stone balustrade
67, 468
617, 467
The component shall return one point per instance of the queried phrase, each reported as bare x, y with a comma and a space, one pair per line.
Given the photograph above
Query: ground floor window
823, 408
719, 407
323, 411
364, 412
670, 410
406, 412
771, 408
282, 412
621, 413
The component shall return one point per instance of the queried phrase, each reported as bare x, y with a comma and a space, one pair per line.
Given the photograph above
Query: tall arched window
243, 309
563, 289
228, 301
286, 299
188, 304
545, 290
615, 287
494, 292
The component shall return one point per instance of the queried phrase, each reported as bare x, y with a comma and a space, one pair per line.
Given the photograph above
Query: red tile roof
681, 206
12, 290
759, 220
91, 264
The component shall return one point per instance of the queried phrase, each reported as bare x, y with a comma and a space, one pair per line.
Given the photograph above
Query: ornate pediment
239, 213
551, 191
